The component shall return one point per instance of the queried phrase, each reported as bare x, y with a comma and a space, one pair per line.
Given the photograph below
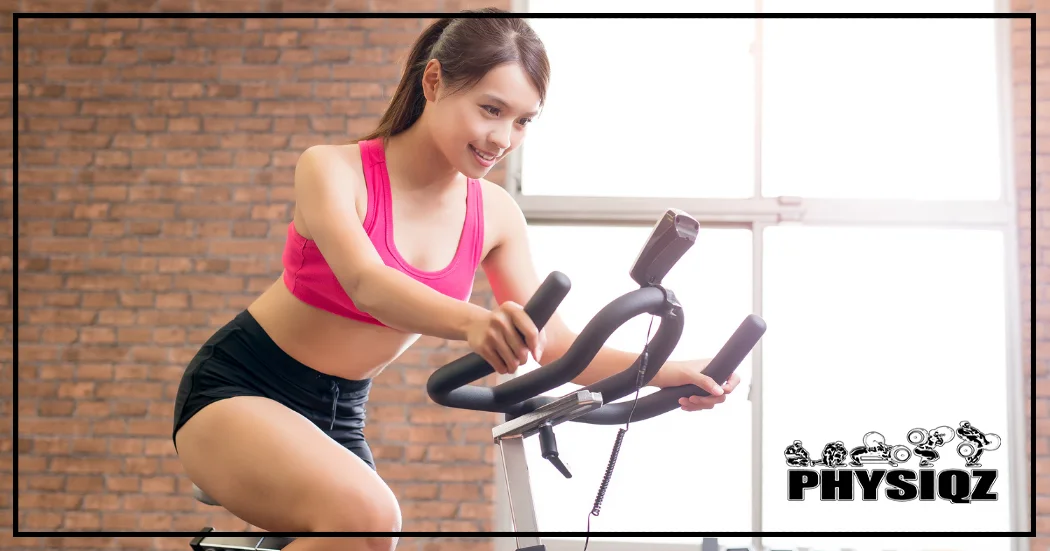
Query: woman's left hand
689, 372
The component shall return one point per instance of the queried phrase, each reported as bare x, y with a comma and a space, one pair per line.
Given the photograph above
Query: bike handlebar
450, 384
664, 400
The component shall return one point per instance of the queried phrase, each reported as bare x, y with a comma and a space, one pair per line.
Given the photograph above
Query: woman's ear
432, 80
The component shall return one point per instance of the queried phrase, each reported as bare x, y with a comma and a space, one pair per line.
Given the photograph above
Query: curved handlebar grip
721, 367
548, 297
472, 366
653, 300
672, 323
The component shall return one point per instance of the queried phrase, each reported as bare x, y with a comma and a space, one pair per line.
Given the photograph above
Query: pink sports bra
310, 279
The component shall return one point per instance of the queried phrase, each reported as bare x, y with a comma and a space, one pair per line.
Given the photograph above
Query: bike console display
671, 238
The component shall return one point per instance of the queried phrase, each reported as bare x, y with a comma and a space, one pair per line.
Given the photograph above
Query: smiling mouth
482, 154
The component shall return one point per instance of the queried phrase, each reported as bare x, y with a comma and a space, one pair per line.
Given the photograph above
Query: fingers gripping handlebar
672, 236
652, 300
721, 367
447, 386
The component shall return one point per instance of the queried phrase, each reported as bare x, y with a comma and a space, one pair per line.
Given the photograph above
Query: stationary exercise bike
527, 413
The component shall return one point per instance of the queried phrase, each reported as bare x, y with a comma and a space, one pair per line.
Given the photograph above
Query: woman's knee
381, 543
379, 512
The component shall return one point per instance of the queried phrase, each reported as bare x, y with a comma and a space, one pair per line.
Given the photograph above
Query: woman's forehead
508, 84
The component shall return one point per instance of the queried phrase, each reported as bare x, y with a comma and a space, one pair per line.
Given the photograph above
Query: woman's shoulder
336, 164
496, 199
342, 155
502, 215
329, 171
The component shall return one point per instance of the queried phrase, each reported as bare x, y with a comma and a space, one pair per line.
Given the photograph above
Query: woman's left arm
512, 276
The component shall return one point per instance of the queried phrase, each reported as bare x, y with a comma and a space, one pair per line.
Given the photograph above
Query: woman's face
477, 127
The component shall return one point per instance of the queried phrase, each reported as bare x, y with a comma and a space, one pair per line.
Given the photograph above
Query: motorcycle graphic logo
972, 445
843, 469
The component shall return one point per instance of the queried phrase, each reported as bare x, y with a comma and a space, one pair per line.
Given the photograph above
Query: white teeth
483, 155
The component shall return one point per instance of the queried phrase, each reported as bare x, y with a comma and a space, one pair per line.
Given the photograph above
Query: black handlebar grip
721, 367
548, 297
672, 323
735, 349
472, 366
725, 361
590, 341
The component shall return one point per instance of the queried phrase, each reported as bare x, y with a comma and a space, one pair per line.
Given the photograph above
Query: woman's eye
495, 112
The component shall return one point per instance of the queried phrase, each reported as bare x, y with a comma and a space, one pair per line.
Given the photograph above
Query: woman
385, 240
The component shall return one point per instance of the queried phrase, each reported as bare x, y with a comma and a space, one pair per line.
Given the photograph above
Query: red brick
332, 38
427, 509
460, 492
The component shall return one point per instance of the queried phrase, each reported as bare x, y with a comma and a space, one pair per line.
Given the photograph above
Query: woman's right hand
497, 337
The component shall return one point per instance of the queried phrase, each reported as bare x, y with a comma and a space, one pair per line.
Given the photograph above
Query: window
857, 198
689, 131
914, 116
715, 302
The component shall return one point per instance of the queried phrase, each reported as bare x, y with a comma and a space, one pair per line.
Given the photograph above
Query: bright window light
896, 109
669, 466
644, 107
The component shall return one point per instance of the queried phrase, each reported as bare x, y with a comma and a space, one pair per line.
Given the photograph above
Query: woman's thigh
276, 470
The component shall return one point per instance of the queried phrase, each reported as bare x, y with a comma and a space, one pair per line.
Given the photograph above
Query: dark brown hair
467, 48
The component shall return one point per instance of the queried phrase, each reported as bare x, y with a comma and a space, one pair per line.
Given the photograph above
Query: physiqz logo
835, 482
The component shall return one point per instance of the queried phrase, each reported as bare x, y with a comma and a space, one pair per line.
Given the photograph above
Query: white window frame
759, 213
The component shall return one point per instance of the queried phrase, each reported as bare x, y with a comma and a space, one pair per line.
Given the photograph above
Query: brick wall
155, 162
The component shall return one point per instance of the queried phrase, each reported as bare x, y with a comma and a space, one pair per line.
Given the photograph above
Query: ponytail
467, 50
407, 104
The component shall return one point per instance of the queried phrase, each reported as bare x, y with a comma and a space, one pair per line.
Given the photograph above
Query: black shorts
240, 359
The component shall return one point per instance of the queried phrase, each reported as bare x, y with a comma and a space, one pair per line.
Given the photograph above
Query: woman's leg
274, 469
338, 544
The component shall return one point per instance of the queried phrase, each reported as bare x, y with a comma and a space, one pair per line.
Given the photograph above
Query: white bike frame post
511, 437
519, 491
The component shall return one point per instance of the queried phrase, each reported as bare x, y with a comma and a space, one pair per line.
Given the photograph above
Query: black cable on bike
596, 509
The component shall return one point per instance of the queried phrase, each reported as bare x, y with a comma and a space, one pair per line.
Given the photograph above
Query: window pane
669, 467
671, 100
910, 117
883, 330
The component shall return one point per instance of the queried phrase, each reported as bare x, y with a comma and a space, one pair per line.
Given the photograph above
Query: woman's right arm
324, 194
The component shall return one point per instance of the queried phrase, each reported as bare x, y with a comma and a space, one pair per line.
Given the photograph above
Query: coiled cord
596, 509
